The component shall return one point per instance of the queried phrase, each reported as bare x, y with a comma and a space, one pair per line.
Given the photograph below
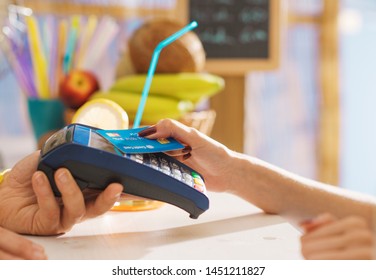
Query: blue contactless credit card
128, 141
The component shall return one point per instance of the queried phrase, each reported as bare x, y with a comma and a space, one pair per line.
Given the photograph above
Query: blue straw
153, 65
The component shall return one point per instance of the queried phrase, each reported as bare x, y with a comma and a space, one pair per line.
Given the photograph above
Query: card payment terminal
95, 163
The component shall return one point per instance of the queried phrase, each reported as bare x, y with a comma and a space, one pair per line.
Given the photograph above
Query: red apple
76, 88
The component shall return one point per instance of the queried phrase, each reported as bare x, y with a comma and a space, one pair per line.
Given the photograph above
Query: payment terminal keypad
162, 163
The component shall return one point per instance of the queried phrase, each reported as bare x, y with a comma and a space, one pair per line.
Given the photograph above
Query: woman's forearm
281, 192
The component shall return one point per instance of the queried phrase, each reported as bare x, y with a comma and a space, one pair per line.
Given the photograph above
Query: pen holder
46, 115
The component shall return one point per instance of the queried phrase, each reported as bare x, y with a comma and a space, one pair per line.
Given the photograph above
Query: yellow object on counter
2, 174
137, 205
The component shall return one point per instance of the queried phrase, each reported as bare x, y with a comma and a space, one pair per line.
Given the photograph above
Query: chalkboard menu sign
232, 28
238, 30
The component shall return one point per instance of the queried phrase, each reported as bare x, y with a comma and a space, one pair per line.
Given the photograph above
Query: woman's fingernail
187, 149
148, 131
187, 156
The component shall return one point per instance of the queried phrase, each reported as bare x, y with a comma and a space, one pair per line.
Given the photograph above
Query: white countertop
230, 229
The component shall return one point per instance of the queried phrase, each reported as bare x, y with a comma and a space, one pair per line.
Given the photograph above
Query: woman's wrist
239, 173
253, 181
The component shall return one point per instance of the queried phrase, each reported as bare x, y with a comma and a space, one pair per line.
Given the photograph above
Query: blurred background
306, 105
